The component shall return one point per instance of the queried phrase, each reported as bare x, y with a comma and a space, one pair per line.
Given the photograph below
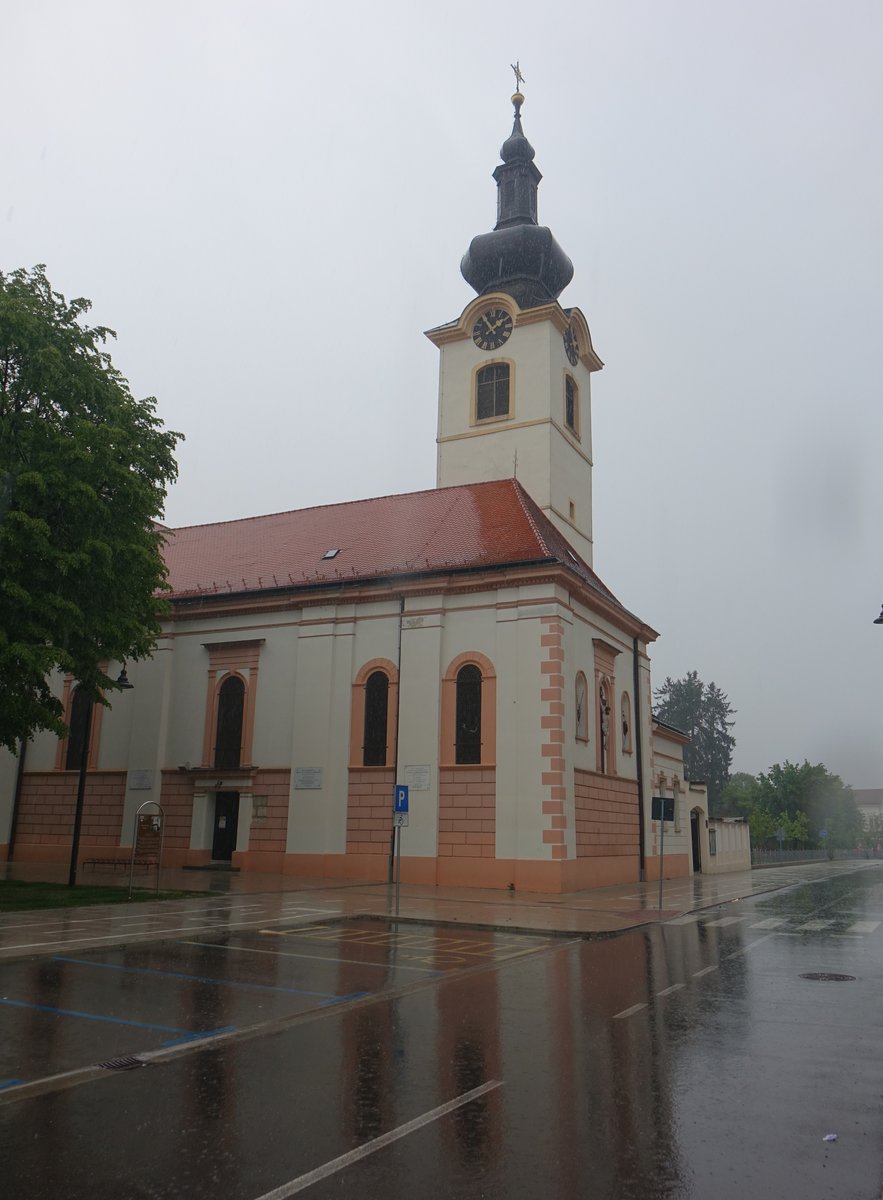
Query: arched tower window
77, 720
228, 731
468, 718
376, 720
582, 708
492, 392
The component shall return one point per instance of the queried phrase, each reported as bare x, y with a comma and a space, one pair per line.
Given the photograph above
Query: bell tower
516, 367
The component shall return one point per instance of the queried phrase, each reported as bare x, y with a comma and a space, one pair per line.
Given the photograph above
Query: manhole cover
127, 1063
828, 977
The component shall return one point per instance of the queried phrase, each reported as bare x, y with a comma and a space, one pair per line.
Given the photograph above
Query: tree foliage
84, 469
704, 712
804, 802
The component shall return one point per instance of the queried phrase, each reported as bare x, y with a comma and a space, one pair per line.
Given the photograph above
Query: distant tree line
801, 807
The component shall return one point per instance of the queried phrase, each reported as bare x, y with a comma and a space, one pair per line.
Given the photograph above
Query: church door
694, 838
226, 824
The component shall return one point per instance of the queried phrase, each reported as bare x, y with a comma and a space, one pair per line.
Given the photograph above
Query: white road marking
628, 1012
863, 927
386, 1139
812, 925
675, 987
769, 923
355, 962
691, 919
723, 921
704, 971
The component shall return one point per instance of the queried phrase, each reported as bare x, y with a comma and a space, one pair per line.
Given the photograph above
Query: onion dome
518, 256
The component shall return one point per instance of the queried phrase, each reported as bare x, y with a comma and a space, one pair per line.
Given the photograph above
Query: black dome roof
518, 256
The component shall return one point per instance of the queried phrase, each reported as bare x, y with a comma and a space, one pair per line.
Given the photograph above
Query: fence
772, 858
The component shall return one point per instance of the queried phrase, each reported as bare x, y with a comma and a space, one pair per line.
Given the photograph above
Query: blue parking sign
401, 798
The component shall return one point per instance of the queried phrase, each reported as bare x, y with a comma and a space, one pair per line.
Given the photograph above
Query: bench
144, 863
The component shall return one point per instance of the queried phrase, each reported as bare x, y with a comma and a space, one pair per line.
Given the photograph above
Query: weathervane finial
519, 78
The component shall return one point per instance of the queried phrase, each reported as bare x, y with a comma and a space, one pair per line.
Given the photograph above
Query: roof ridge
286, 512
522, 496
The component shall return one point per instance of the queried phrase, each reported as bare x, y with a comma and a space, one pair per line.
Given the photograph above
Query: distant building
870, 802
456, 640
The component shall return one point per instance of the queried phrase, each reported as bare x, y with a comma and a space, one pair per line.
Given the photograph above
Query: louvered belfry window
376, 709
468, 735
228, 740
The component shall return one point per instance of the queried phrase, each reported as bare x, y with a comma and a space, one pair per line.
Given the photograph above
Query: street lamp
879, 620
124, 685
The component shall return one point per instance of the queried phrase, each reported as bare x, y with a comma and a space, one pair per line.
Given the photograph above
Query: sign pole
661, 853
399, 820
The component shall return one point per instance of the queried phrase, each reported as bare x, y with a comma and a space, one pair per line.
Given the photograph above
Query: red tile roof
472, 526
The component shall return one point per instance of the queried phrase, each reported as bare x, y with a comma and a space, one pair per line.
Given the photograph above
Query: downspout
19, 781
395, 757
639, 759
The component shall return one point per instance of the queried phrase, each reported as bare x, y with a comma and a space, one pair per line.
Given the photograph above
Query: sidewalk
256, 899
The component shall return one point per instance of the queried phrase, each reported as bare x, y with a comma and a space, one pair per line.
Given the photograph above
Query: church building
456, 640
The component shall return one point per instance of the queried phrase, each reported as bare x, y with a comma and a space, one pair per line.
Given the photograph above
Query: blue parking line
181, 1035
255, 987
7, 1083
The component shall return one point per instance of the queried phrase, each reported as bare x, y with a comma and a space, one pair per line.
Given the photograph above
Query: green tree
84, 469
704, 712
806, 801
739, 795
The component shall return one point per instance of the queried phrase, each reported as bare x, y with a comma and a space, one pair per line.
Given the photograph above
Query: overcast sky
269, 201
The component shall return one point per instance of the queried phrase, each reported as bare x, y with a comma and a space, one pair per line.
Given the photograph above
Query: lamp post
124, 685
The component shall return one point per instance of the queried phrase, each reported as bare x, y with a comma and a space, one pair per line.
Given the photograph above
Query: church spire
519, 256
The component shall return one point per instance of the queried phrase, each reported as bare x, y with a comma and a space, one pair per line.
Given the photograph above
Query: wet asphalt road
689, 1059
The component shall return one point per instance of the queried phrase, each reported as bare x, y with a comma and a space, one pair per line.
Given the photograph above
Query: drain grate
127, 1063
828, 977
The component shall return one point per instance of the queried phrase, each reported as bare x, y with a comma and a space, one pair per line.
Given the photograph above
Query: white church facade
456, 640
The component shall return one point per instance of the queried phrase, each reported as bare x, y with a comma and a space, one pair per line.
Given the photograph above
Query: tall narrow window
468, 720
571, 404
228, 739
582, 713
79, 715
376, 709
604, 729
626, 718
492, 392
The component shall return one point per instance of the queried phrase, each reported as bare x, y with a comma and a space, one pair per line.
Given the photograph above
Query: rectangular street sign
660, 803
400, 819
401, 801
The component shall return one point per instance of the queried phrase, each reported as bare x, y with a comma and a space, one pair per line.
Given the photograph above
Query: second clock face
571, 345
492, 329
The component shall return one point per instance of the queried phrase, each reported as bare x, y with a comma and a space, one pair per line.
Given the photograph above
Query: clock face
571, 345
492, 329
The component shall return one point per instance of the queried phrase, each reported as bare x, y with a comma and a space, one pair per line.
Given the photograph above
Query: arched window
571, 404
468, 718
77, 722
228, 734
492, 392
376, 710
582, 708
625, 707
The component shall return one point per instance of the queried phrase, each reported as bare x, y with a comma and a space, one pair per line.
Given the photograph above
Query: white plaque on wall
417, 777
140, 780
308, 778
